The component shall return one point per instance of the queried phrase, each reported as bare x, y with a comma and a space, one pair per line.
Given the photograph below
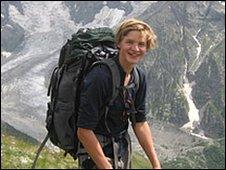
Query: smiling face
134, 38
132, 47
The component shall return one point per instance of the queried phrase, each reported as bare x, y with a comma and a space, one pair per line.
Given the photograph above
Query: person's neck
126, 67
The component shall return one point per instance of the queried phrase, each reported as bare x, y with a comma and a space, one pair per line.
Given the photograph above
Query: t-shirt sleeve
95, 89
140, 99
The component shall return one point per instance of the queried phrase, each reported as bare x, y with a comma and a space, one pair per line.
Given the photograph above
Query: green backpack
86, 48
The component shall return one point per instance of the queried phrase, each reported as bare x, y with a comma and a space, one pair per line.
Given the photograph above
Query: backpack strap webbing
39, 150
116, 80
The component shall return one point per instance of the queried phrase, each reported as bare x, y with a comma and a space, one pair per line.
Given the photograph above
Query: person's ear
118, 45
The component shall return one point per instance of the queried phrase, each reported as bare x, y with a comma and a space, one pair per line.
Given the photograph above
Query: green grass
19, 153
140, 162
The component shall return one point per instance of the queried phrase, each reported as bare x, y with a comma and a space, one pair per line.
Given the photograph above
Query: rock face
185, 73
190, 49
12, 34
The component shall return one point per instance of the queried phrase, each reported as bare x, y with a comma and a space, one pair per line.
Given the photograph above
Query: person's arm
94, 91
93, 147
144, 136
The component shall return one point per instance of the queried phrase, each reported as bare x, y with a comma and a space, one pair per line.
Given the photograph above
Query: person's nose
135, 47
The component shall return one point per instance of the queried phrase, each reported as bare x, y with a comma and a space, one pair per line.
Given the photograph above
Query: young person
97, 150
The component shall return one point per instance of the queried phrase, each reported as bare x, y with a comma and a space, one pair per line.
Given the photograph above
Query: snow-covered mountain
185, 73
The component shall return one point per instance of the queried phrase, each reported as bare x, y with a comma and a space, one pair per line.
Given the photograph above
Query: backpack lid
101, 34
83, 41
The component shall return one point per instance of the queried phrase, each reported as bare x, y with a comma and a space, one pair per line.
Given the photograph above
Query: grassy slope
18, 152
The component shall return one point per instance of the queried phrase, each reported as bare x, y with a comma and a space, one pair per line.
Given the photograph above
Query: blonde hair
136, 25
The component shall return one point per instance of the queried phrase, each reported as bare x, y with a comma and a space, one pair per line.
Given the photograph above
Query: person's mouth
133, 55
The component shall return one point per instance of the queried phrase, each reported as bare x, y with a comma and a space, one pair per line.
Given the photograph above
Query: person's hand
157, 167
110, 161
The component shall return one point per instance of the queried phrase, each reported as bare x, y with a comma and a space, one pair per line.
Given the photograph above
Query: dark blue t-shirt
96, 89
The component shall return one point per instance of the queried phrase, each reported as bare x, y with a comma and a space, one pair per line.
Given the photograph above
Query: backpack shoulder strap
116, 78
136, 78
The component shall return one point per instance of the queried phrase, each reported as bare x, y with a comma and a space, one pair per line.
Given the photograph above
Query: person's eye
129, 42
142, 45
